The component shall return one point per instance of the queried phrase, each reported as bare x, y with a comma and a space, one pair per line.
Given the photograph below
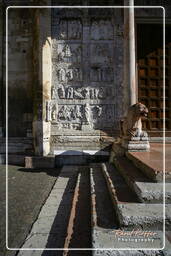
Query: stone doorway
86, 81
150, 75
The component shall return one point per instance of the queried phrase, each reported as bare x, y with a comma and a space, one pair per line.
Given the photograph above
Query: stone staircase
98, 205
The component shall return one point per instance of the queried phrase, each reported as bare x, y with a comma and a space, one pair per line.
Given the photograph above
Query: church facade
70, 73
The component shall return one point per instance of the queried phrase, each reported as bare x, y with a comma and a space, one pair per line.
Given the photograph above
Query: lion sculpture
131, 125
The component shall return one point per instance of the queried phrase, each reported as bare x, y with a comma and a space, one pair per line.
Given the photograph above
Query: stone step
79, 225
102, 208
150, 163
80, 156
106, 233
147, 192
153, 192
130, 213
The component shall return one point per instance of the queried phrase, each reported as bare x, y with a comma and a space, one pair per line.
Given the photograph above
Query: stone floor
29, 189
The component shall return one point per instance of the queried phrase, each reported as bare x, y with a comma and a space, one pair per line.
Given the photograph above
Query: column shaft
130, 94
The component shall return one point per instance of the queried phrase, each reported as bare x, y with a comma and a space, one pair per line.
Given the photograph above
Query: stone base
136, 145
86, 127
35, 162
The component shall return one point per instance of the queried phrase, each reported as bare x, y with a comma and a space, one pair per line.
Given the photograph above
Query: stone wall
30, 86
20, 81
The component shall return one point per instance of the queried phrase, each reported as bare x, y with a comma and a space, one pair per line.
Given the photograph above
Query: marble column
41, 128
130, 91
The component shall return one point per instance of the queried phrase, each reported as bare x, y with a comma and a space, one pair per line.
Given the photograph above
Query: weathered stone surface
127, 253
133, 145
81, 62
153, 192
145, 215
39, 162
49, 230
151, 163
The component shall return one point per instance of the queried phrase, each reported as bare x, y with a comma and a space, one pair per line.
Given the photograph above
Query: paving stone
53, 217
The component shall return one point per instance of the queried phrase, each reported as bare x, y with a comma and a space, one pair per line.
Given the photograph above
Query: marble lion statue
131, 125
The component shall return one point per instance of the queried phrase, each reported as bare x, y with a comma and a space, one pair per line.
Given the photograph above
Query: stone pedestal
86, 127
136, 144
123, 145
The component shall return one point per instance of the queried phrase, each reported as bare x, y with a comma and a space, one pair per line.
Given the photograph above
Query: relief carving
63, 29
78, 93
101, 30
61, 75
70, 113
51, 111
87, 113
61, 92
101, 74
53, 92
84, 93
70, 29
64, 113
54, 113
69, 53
68, 75
70, 93
74, 29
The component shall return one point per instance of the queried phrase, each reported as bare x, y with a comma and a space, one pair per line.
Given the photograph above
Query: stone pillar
42, 92
130, 92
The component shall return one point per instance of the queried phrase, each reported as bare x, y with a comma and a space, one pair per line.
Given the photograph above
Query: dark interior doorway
150, 75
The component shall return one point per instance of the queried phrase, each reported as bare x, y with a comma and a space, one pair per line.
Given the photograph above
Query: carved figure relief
78, 112
87, 113
70, 29
69, 53
61, 75
97, 111
51, 111
101, 74
70, 93
70, 113
74, 29
73, 88
53, 92
77, 54
54, 113
63, 29
64, 113
78, 93
84, 92
61, 92
68, 75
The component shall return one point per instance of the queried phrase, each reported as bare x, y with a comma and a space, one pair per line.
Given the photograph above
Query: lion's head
140, 109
